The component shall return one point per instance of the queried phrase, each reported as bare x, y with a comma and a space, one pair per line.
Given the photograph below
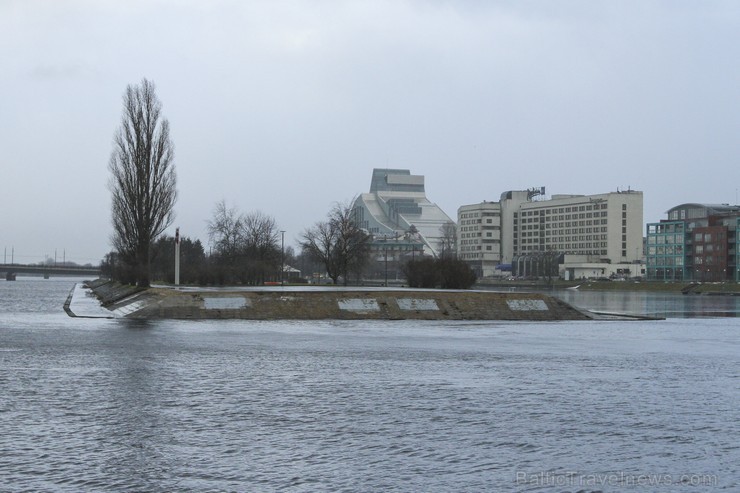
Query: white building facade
479, 237
606, 226
598, 229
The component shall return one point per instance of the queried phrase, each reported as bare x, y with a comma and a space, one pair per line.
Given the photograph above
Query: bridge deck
51, 270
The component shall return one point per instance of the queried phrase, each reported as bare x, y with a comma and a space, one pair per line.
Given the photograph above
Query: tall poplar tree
143, 180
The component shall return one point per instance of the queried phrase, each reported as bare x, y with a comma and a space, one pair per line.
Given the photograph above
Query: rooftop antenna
534, 192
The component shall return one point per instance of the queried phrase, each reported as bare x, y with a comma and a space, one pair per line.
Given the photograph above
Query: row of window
709, 260
473, 256
665, 250
661, 228
478, 228
477, 248
488, 220
566, 224
665, 261
560, 210
567, 246
708, 248
575, 249
693, 213
473, 215
565, 217
680, 261
479, 234
708, 237
665, 239
656, 232
550, 234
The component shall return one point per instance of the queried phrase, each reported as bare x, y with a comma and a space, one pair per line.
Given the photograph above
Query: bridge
49, 270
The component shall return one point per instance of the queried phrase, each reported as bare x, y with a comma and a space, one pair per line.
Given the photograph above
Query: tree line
245, 248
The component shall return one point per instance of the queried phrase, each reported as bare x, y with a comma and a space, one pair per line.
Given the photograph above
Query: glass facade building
698, 242
666, 252
396, 206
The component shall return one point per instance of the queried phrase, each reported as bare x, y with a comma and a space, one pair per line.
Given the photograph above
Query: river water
117, 405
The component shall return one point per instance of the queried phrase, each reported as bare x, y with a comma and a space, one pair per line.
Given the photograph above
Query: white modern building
594, 229
479, 236
396, 205
606, 226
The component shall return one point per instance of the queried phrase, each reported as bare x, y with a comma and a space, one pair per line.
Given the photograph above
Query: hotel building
589, 231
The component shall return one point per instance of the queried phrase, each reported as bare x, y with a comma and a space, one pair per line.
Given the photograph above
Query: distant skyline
287, 106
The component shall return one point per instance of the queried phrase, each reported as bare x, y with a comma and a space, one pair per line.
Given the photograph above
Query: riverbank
710, 288
325, 303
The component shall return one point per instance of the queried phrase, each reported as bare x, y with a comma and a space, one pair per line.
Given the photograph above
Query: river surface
117, 405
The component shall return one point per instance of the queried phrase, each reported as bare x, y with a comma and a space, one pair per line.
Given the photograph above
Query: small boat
10, 276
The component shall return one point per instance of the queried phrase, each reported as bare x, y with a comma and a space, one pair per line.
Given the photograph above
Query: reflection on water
668, 305
116, 405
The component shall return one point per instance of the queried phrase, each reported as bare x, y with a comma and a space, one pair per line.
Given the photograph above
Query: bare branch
338, 243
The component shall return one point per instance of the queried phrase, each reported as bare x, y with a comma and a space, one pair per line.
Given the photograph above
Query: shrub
439, 273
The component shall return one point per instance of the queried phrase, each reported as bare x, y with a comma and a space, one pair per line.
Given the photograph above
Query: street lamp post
386, 265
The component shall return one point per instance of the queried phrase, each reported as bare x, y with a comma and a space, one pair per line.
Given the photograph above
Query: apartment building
697, 242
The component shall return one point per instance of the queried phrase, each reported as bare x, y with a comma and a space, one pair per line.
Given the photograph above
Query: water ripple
205, 406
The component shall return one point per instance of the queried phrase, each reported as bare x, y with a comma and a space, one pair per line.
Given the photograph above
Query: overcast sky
287, 106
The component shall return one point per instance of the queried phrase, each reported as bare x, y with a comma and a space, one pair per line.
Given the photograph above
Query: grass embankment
329, 304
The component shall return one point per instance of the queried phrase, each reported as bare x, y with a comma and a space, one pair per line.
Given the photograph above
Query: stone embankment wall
340, 304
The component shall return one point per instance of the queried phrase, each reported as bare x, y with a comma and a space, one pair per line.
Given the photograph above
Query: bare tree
225, 230
143, 181
353, 242
448, 240
261, 246
339, 243
319, 244
260, 233
246, 245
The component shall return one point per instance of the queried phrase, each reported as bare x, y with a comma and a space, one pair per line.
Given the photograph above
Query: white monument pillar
177, 257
